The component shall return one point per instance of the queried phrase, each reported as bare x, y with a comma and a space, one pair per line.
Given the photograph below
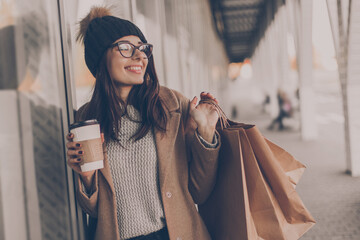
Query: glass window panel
31, 105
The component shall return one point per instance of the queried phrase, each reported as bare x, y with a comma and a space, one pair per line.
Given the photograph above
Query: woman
161, 149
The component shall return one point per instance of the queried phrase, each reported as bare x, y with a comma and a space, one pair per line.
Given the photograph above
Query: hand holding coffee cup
85, 153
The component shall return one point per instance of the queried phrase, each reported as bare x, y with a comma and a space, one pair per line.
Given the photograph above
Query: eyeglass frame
135, 47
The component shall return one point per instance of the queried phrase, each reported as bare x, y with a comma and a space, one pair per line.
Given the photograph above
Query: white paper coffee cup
87, 133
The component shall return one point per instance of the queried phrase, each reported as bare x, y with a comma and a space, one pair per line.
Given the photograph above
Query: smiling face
126, 72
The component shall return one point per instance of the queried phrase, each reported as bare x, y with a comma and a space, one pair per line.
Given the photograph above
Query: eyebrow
126, 41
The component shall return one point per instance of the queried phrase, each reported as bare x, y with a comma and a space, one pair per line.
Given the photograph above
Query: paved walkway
331, 195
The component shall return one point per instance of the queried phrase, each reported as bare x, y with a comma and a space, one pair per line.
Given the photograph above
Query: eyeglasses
127, 50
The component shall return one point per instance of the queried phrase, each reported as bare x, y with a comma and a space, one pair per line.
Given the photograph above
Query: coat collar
169, 99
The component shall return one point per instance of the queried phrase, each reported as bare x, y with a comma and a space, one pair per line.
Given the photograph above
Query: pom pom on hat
99, 30
95, 12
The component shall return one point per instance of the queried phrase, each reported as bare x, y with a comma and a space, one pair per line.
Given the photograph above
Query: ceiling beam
242, 4
241, 13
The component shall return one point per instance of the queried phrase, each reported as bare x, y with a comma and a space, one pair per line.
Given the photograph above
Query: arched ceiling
241, 23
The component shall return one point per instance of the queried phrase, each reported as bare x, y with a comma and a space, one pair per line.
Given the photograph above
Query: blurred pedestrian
265, 103
285, 110
234, 112
161, 149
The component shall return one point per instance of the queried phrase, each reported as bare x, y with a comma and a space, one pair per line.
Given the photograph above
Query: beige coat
187, 172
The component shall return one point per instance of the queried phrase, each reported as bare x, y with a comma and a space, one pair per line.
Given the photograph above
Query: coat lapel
164, 145
106, 171
165, 142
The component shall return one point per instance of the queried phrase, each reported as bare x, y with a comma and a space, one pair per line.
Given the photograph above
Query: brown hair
108, 108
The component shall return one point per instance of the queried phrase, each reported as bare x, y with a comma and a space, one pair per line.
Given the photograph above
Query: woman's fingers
75, 160
73, 145
193, 103
70, 136
75, 166
207, 95
102, 138
74, 153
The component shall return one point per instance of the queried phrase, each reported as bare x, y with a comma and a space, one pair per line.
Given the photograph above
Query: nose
138, 55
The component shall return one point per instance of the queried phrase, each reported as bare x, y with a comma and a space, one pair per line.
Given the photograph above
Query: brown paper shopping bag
254, 196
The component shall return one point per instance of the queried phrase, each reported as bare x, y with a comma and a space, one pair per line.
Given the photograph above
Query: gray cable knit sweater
134, 171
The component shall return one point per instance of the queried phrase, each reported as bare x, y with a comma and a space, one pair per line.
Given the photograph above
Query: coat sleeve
202, 160
88, 201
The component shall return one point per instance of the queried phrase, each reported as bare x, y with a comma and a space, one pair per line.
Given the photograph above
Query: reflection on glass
29, 82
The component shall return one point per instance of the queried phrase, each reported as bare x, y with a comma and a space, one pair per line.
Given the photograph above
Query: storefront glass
34, 189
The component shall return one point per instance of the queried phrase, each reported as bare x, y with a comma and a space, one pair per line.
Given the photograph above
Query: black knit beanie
99, 30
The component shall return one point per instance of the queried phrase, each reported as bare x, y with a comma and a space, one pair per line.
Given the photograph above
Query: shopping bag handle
224, 123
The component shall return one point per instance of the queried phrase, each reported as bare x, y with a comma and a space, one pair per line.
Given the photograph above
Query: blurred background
288, 66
